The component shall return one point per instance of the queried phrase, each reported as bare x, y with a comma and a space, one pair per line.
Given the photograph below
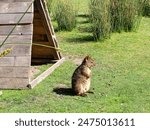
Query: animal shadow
64, 91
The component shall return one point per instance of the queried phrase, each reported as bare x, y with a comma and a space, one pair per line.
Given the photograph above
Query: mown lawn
121, 78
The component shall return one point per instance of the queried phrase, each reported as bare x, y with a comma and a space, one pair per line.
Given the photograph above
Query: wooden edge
48, 26
41, 77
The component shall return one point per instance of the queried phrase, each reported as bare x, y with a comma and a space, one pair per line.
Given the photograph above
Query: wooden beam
16, 39
48, 26
14, 72
15, 61
17, 49
15, 0
14, 18
45, 73
14, 83
19, 30
15, 7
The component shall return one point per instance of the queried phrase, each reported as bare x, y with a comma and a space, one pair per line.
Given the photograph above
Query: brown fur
81, 78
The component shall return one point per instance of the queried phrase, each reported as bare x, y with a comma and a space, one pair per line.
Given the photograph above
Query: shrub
114, 16
146, 8
65, 15
49, 4
125, 14
100, 19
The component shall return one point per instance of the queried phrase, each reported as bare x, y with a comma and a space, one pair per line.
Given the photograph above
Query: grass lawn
121, 78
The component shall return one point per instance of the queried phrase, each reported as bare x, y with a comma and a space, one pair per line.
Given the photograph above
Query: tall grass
125, 14
65, 14
49, 4
146, 8
114, 16
100, 19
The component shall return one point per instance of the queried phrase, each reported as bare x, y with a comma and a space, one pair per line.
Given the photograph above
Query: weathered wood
15, 61
42, 52
39, 61
15, 67
38, 27
19, 30
39, 30
15, 7
17, 50
7, 61
46, 73
14, 18
16, 39
37, 15
16, 0
42, 43
23, 61
14, 83
40, 38
14, 72
49, 30
38, 22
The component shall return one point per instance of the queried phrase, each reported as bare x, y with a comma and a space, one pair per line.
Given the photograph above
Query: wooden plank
17, 39
15, 61
38, 27
15, 0
17, 50
40, 38
38, 22
23, 61
42, 52
14, 18
46, 73
37, 15
7, 61
40, 61
15, 7
14, 83
39, 30
48, 26
19, 30
14, 72
42, 43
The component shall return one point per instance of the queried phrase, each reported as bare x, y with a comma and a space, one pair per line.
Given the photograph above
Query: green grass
39, 69
121, 78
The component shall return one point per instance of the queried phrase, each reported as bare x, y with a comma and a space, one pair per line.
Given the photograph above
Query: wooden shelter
25, 26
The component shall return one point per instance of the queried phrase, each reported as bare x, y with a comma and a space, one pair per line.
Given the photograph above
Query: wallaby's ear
87, 57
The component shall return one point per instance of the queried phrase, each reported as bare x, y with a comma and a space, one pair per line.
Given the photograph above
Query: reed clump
146, 8
49, 4
125, 15
100, 19
109, 16
65, 15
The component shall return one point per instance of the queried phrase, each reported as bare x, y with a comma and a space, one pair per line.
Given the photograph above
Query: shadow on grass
64, 91
83, 22
83, 15
85, 29
82, 39
56, 29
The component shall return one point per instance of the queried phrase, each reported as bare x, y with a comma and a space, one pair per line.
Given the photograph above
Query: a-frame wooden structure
32, 41
43, 32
